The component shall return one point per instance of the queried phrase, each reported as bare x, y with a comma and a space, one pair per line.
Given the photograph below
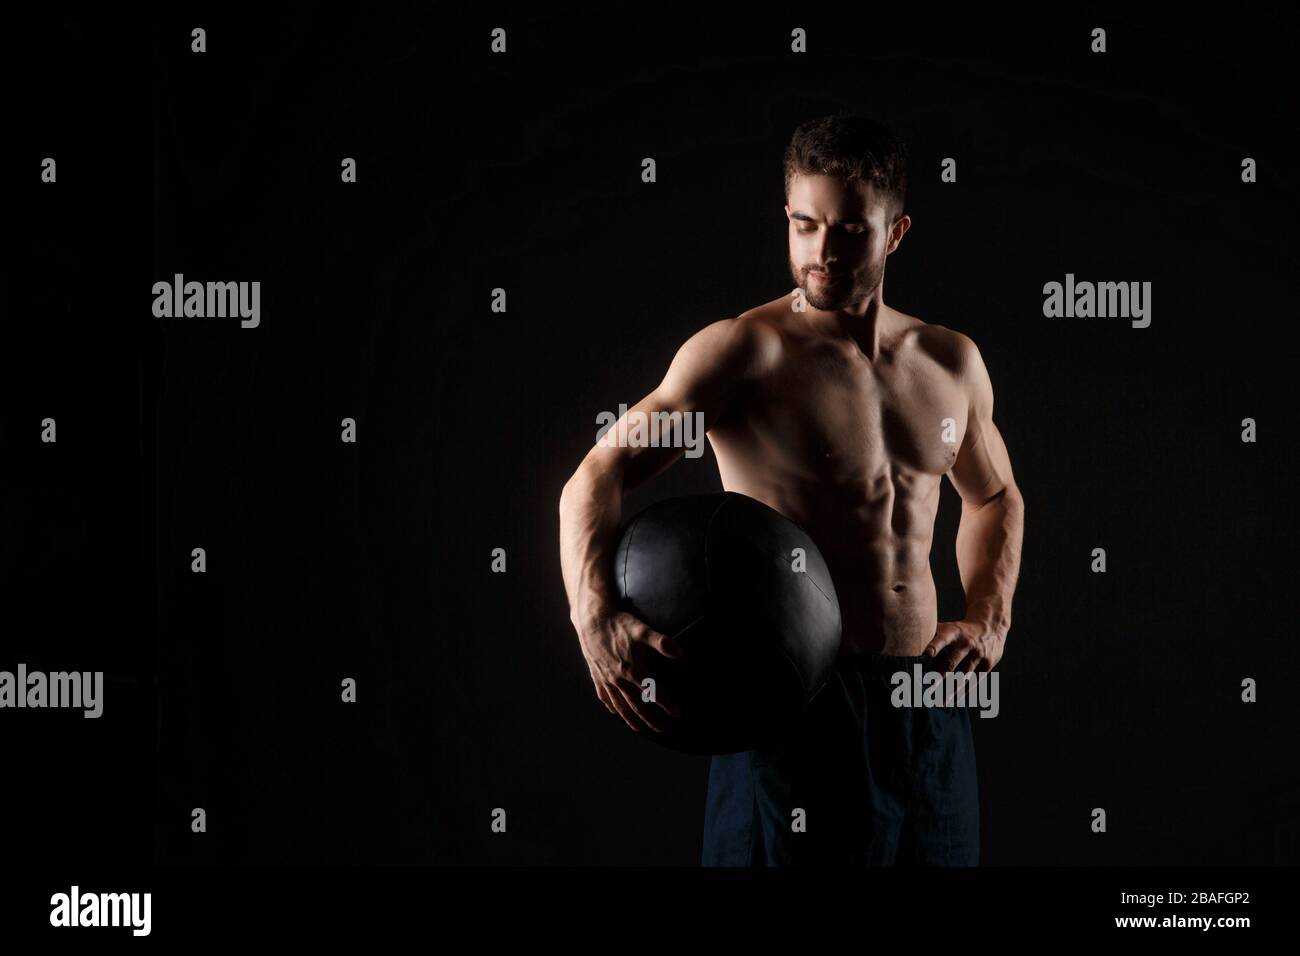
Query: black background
329, 560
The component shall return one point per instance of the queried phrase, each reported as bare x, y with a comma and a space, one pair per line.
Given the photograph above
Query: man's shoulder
768, 322
768, 312
758, 329
955, 351
741, 346
746, 330
958, 355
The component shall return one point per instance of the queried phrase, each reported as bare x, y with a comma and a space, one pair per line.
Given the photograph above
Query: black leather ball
749, 597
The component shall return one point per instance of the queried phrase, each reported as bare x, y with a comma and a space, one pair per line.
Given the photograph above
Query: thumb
943, 636
665, 645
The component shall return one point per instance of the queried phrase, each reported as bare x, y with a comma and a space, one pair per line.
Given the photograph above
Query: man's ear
898, 230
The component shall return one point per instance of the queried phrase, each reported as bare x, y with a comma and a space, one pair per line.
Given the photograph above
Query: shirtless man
844, 415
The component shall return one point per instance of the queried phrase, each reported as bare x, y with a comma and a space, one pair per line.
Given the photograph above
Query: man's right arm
706, 375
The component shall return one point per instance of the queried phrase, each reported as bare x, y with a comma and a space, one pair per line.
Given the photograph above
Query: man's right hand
617, 646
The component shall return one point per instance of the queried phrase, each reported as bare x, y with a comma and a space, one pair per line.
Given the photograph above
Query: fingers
625, 710
966, 657
612, 703
629, 710
602, 696
652, 711
643, 709
963, 655
668, 647
616, 686
669, 705
955, 654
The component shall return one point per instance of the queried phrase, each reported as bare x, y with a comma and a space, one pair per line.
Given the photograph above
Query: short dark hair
856, 149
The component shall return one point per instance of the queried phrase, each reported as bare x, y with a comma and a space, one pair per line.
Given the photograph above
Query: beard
846, 290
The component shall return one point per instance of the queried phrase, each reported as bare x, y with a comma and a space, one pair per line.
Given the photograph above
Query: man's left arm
989, 535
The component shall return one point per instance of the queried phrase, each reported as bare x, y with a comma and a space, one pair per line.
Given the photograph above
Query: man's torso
854, 451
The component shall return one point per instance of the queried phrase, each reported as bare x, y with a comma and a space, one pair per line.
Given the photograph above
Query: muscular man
844, 415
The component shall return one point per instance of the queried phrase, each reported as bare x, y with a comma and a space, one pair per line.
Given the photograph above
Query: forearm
591, 508
988, 557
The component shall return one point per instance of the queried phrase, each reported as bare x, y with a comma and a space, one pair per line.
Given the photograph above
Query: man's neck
864, 322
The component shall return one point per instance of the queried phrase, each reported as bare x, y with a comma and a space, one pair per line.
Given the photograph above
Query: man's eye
851, 230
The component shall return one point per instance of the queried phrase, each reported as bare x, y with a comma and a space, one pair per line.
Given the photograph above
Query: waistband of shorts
888, 663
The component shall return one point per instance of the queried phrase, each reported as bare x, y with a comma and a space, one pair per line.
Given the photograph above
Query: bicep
983, 467
709, 370
701, 381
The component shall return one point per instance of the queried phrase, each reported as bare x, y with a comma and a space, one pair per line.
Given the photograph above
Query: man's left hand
966, 646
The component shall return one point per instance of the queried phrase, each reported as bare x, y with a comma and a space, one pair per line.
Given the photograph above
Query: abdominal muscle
879, 563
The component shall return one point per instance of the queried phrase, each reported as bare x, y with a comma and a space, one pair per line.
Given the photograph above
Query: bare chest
827, 413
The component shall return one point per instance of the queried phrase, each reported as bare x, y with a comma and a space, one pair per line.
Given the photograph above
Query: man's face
839, 238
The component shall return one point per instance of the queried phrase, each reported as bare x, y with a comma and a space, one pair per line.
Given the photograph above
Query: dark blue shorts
879, 785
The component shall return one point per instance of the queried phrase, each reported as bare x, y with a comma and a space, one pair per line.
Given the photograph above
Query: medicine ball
758, 620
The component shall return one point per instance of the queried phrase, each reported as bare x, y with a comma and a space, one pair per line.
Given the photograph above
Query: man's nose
826, 250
